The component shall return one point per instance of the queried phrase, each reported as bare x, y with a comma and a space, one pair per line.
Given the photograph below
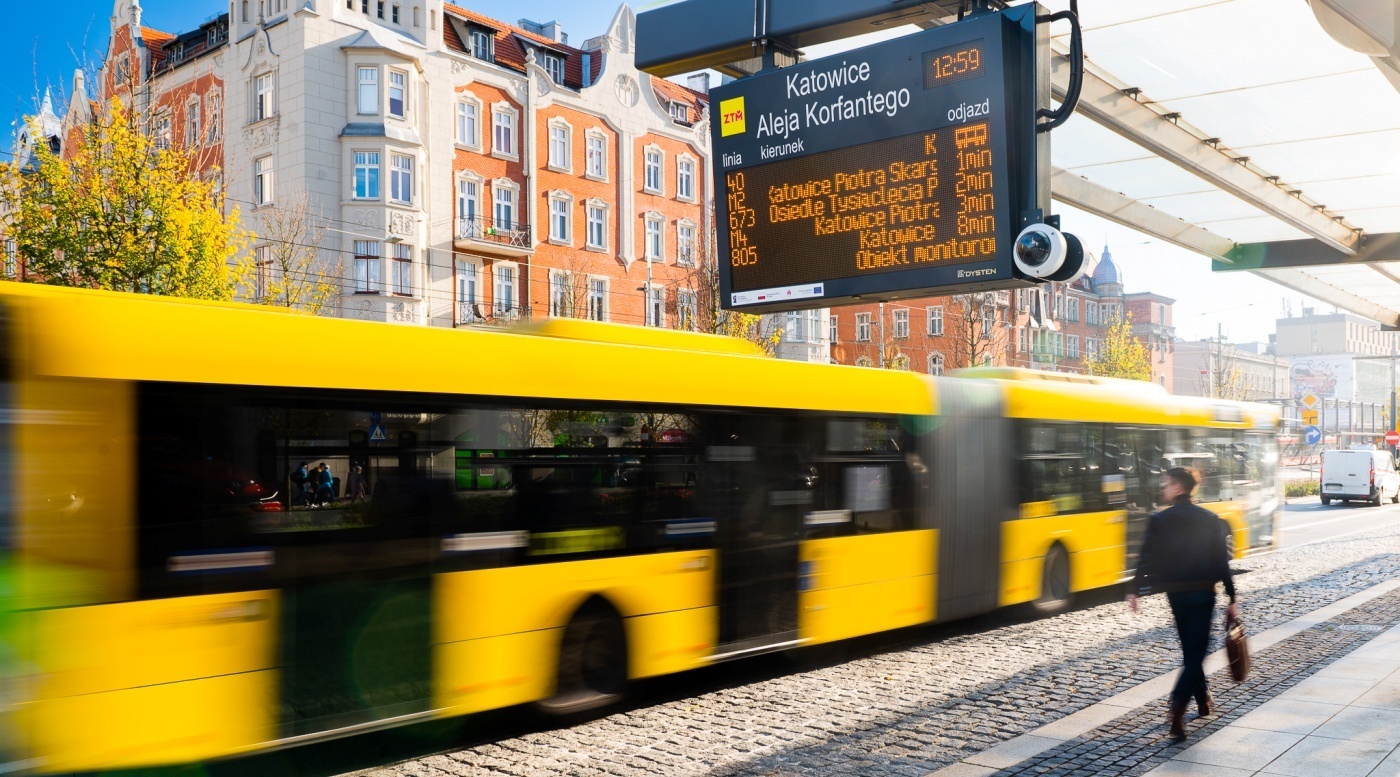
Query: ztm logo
731, 117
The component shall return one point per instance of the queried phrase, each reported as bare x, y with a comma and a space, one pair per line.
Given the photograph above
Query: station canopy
1247, 131
1264, 134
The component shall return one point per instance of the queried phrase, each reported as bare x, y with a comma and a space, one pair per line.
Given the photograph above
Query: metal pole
882, 335
1391, 424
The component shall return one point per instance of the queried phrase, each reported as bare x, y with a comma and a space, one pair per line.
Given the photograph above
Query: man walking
1185, 552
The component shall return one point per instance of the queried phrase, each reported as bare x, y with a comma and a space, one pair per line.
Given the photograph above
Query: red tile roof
511, 44
672, 92
155, 41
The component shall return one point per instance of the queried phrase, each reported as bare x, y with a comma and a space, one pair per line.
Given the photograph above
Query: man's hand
1132, 602
1233, 610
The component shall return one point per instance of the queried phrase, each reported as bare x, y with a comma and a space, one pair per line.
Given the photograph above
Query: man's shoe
1178, 721
1205, 706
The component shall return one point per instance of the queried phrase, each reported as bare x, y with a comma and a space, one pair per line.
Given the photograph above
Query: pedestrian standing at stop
1185, 552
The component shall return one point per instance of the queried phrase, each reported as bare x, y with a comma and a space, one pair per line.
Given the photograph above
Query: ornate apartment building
461, 169
1054, 326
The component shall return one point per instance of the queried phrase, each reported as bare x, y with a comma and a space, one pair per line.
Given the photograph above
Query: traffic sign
376, 433
1392, 437
1310, 418
1312, 435
1310, 400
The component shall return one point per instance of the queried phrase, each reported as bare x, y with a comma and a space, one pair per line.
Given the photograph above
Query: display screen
920, 199
953, 63
895, 170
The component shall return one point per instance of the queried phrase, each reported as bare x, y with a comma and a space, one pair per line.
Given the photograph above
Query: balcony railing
513, 234
483, 313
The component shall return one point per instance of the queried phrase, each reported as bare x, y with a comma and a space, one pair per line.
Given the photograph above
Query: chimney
700, 82
552, 30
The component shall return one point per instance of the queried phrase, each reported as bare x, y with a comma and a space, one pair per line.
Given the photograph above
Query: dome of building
1107, 272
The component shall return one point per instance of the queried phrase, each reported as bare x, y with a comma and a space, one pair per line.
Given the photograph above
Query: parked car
1365, 475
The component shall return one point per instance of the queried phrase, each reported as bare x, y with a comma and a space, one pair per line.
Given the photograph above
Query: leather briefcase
1236, 648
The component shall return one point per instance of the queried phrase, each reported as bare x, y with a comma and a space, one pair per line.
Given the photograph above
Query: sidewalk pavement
1323, 698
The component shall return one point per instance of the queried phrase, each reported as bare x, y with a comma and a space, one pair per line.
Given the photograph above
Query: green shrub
1301, 488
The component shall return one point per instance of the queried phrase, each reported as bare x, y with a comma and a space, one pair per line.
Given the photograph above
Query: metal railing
513, 234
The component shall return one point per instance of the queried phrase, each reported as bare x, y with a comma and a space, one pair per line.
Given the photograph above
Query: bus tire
592, 671
1055, 595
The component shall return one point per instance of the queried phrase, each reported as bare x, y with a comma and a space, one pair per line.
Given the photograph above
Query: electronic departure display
894, 170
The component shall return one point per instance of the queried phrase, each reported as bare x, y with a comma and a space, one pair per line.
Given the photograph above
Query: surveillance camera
1040, 251
1073, 266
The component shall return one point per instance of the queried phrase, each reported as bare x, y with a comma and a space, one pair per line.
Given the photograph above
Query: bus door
760, 496
1137, 455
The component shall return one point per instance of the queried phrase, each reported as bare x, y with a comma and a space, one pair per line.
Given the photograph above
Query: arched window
417, 16
863, 361
935, 364
245, 11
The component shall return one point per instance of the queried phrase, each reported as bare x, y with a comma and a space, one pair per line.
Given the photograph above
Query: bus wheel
1055, 595
592, 662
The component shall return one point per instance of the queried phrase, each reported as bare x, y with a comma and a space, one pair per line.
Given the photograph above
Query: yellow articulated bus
225, 529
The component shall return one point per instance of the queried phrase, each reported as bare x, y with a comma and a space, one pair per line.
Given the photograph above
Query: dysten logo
731, 117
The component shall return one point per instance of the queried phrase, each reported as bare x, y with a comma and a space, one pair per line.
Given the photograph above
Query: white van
1368, 476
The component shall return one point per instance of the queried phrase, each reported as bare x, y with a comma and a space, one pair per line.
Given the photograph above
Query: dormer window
481, 44
554, 65
680, 111
217, 34
177, 53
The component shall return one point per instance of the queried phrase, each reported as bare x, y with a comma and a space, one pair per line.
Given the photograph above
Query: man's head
1179, 482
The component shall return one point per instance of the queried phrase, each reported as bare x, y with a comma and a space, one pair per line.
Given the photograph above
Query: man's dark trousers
1193, 611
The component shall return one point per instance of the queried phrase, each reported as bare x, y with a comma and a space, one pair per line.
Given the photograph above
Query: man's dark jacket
1185, 549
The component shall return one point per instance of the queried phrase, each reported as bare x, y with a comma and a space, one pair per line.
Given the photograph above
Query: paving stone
956, 690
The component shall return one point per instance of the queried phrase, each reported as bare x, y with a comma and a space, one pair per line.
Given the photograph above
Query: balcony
480, 234
478, 314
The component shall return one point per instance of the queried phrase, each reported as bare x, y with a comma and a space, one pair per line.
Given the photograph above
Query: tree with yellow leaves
1120, 354
121, 212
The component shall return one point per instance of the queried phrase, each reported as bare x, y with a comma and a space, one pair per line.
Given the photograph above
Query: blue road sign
376, 433
1312, 435
376, 418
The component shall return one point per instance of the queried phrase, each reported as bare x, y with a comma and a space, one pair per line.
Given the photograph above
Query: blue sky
40, 47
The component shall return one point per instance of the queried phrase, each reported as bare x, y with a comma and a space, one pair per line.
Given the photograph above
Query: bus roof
84, 333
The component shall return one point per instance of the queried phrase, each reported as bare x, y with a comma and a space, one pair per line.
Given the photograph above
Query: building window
988, 316
262, 181
685, 243
366, 175
504, 289
503, 137
559, 146
1022, 339
796, 326
598, 299
468, 128
367, 266
262, 272
656, 306
368, 100
597, 156
554, 65
398, 93
935, 321
561, 298
655, 244
401, 178
481, 44
192, 133
831, 328
216, 117
1072, 350
900, 362
468, 205
653, 171
1091, 312
862, 327
597, 226
864, 361
264, 97
379, 9
401, 269
935, 364
1091, 347
559, 227
901, 324
468, 290
814, 326
11, 259
504, 201
162, 132
680, 111
1073, 310
685, 178
685, 310
394, 15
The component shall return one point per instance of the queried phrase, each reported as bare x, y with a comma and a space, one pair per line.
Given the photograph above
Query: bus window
862, 479
1053, 466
